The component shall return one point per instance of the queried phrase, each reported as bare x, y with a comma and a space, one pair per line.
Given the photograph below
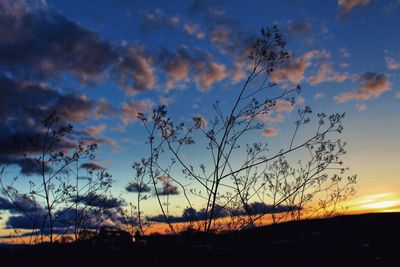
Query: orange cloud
347, 5
391, 63
131, 110
270, 132
136, 71
373, 85
294, 70
326, 74
96, 130
283, 106
176, 70
208, 74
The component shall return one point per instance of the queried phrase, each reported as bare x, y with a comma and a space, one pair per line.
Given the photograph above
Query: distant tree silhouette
225, 185
55, 196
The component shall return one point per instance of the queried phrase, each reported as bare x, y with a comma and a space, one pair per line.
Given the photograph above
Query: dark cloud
22, 107
46, 43
37, 43
101, 201
167, 187
92, 166
25, 222
20, 203
298, 27
255, 208
5, 204
135, 71
261, 208
136, 188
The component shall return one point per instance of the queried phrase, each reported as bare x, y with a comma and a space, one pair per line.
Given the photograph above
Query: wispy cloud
361, 107
319, 95
158, 19
298, 27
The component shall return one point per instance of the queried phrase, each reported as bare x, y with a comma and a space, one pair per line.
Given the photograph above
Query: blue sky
118, 58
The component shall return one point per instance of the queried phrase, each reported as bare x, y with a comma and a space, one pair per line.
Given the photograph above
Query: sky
99, 63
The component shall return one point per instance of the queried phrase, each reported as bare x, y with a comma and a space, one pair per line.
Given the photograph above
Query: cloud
20, 203
319, 95
158, 19
194, 30
167, 187
103, 109
397, 95
391, 63
92, 166
136, 188
361, 107
101, 201
176, 66
131, 110
293, 69
209, 74
38, 43
43, 43
135, 70
32, 100
25, 222
283, 106
22, 107
347, 5
220, 35
200, 121
344, 52
326, 74
270, 132
299, 27
191, 61
191, 214
372, 86
96, 130
166, 101
262, 208
5, 204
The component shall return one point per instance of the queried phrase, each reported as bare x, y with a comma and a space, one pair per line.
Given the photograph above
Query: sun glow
386, 202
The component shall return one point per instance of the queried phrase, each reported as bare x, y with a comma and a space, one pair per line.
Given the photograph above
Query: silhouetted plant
260, 176
57, 196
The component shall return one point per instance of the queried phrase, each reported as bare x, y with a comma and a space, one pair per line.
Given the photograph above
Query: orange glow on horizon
384, 202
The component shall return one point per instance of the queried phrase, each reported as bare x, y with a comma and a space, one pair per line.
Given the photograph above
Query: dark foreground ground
358, 240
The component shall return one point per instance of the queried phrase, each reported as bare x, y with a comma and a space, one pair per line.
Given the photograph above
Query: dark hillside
354, 240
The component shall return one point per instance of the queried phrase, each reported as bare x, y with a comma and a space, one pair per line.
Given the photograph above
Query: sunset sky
99, 63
